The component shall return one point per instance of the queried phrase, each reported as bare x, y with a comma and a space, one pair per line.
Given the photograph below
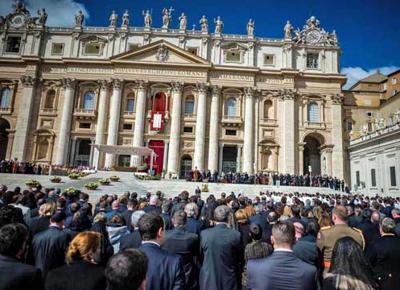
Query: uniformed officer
328, 236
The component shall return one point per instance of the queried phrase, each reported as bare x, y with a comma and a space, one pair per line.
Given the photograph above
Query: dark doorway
229, 159
82, 156
312, 155
186, 166
4, 127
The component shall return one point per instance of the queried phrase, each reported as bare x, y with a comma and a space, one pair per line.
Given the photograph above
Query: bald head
375, 217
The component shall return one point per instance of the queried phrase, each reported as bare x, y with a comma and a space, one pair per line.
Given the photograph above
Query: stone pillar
221, 157
238, 158
24, 118
248, 139
65, 124
140, 115
328, 154
200, 133
288, 132
301, 158
165, 160
101, 117
175, 132
113, 123
337, 137
214, 122
275, 152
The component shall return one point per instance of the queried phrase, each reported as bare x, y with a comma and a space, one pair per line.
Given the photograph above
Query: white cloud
354, 74
61, 12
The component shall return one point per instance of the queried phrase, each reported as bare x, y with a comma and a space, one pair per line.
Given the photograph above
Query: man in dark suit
50, 246
384, 256
259, 218
132, 205
222, 253
152, 205
165, 270
370, 226
272, 219
133, 240
15, 275
193, 225
182, 242
282, 270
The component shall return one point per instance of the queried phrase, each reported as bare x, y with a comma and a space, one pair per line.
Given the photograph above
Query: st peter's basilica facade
198, 97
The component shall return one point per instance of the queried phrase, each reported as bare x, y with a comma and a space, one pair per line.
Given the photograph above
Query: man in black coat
370, 226
133, 240
222, 253
165, 270
282, 270
50, 246
15, 275
193, 225
186, 244
259, 218
384, 256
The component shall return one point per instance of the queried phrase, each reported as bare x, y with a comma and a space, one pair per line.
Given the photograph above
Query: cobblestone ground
129, 183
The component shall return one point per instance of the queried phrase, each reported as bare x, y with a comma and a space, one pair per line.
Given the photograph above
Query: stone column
275, 152
238, 158
248, 139
140, 115
337, 137
288, 132
24, 118
165, 159
101, 117
175, 131
214, 122
221, 157
328, 153
301, 158
200, 134
113, 123
65, 124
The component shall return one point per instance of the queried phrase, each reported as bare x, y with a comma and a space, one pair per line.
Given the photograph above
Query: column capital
104, 84
337, 99
68, 82
287, 94
216, 90
202, 87
177, 87
248, 91
117, 83
141, 84
28, 81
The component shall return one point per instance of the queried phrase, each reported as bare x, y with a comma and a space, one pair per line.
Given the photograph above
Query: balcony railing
314, 125
84, 113
269, 121
5, 110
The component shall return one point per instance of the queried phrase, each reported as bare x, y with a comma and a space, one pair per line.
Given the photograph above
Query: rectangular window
84, 125
57, 48
192, 50
233, 56
188, 129
349, 125
189, 107
130, 105
373, 178
369, 127
92, 48
312, 60
133, 46
127, 126
358, 178
392, 170
13, 44
394, 81
230, 132
268, 59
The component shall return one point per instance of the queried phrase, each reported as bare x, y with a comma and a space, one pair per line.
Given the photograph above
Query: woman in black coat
82, 271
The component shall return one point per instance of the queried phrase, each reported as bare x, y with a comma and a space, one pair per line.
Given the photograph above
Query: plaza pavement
130, 183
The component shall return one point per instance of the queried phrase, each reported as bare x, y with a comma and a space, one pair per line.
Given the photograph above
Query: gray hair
388, 225
136, 215
221, 213
191, 209
179, 218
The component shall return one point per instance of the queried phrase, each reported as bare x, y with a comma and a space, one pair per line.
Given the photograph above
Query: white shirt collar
150, 242
282, 250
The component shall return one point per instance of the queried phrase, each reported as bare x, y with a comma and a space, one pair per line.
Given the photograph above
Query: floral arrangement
71, 190
114, 178
91, 185
204, 187
104, 181
32, 183
55, 179
83, 174
74, 175
148, 177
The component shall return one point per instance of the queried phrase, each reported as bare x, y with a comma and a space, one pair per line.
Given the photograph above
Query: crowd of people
16, 167
268, 178
59, 240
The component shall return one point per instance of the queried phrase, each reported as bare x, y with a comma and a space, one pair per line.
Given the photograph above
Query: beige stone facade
207, 100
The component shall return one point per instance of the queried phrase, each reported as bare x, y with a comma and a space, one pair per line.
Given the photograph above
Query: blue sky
368, 30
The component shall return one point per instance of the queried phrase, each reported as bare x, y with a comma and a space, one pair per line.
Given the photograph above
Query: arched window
49, 101
88, 100
130, 103
189, 105
313, 112
230, 107
5, 98
268, 110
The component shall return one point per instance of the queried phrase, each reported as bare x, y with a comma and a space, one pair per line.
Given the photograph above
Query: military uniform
328, 236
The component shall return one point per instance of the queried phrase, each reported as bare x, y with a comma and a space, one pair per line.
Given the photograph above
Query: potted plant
71, 190
204, 187
32, 183
104, 181
91, 185
114, 178
55, 179
73, 175
83, 174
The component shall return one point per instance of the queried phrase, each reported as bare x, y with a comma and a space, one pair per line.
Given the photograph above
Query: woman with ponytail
82, 270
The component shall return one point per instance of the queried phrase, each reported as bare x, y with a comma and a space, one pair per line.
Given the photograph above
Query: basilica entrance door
4, 126
82, 156
229, 159
312, 155
186, 166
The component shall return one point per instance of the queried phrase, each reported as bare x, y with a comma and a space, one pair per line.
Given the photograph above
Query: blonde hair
83, 246
47, 209
241, 216
100, 217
